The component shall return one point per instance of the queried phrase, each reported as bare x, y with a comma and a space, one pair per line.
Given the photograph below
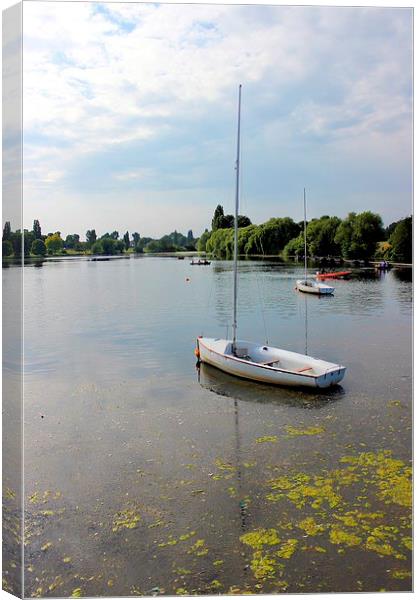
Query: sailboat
311, 286
259, 362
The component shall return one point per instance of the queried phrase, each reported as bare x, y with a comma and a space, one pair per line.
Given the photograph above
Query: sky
130, 113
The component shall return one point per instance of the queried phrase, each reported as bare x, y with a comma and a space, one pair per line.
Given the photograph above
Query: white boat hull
268, 365
314, 287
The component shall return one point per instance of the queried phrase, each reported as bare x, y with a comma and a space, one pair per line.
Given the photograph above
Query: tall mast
305, 237
236, 214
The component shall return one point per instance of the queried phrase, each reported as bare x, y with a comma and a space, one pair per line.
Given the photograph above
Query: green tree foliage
38, 247
135, 239
202, 242
389, 230
108, 246
97, 247
7, 248
271, 237
220, 243
28, 238
242, 221
216, 219
222, 221
37, 230
142, 243
321, 236
401, 241
358, 235
7, 231
127, 242
72, 241
114, 235
190, 237
90, 237
16, 241
295, 247
54, 244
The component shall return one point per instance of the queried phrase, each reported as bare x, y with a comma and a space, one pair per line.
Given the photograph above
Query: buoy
187, 279
197, 352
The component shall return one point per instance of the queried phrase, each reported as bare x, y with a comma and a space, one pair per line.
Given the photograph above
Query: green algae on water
294, 431
261, 537
125, 519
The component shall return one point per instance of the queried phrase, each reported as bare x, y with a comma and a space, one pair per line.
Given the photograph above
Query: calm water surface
145, 475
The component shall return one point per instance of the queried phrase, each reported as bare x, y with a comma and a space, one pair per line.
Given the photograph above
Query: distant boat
311, 286
258, 362
383, 266
333, 275
181, 258
200, 262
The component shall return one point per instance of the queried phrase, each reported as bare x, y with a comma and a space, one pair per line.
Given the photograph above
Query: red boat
334, 275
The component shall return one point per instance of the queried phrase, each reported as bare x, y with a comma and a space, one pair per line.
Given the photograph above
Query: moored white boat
255, 361
310, 286
267, 364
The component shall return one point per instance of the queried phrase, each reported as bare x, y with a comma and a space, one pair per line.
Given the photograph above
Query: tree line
359, 236
33, 242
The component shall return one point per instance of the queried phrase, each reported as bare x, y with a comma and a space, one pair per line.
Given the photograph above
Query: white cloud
101, 77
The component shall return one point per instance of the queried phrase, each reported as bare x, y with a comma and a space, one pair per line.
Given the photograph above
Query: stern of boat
332, 377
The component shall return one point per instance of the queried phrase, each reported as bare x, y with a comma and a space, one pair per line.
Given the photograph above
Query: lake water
145, 475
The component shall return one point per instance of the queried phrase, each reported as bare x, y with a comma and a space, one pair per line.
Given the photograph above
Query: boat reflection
223, 384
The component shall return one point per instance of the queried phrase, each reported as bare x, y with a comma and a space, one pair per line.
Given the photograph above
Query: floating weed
215, 584
224, 466
287, 548
401, 574
182, 571
56, 583
45, 547
35, 498
351, 523
294, 431
218, 563
76, 593
262, 565
232, 492
135, 591
181, 592
9, 494
379, 541
407, 542
158, 523
125, 519
38, 498
187, 536
391, 476
249, 465
266, 439
171, 541
310, 526
199, 548
340, 536
66, 559
261, 537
